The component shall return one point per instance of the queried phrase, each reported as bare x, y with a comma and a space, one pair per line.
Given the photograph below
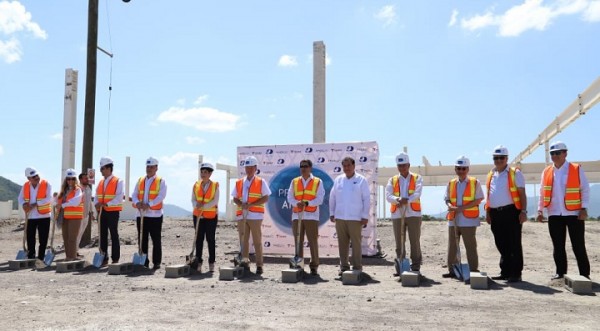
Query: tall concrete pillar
319, 92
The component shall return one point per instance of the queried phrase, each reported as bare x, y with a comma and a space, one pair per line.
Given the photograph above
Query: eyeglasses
460, 168
496, 158
556, 152
304, 166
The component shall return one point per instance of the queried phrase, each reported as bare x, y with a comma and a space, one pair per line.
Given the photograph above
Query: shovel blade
401, 265
98, 260
466, 271
458, 271
139, 259
297, 262
21, 255
49, 257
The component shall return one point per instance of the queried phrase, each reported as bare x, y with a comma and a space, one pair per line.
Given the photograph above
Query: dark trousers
109, 221
507, 235
207, 228
152, 226
42, 226
558, 226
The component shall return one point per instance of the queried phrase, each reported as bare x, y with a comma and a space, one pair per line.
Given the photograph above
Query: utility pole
90, 100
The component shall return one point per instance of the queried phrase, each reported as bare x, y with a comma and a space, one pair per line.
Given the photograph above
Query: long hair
64, 187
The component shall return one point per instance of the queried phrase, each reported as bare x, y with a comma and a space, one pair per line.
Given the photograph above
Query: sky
189, 78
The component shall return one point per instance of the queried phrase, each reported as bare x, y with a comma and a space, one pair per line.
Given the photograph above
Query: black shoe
313, 272
557, 276
156, 266
259, 270
513, 279
115, 261
342, 271
500, 277
104, 263
449, 275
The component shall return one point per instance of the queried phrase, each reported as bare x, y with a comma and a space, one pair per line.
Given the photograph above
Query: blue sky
196, 77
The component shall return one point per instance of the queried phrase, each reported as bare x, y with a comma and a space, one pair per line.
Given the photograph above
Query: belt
511, 206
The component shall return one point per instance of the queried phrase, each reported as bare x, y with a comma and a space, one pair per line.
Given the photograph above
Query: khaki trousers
311, 229
349, 232
254, 227
413, 225
470, 241
70, 231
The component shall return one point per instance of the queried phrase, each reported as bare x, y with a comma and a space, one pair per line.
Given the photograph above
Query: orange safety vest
152, 192
109, 194
206, 197
573, 191
41, 195
415, 205
512, 187
307, 193
254, 194
73, 212
468, 196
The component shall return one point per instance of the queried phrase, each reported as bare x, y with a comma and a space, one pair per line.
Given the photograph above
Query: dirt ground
146, 300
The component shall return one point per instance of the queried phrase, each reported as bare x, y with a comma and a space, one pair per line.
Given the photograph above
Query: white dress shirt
75, 201
499, 193
34, 214
350, 198
403, 182
460, 218
265, 191
162, 193
316, 202
559, 186
211, 203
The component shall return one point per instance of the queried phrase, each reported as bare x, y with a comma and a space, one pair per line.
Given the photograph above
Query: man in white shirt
349, 203
148, 196
109, 200
306, 194
565, 193
36, 198
403, 192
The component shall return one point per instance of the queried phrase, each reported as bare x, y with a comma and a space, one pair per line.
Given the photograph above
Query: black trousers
207, 228
109, 221
42, 226
558, 225
152, 227
507, 235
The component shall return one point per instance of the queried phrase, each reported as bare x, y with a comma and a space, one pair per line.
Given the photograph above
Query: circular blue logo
278, 206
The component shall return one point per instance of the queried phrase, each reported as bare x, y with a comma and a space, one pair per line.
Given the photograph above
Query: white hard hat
105, 160
462, 161
70, 173
500, 151
30, 172
151, 161
402, 158
207, 166
558, 146
250, 161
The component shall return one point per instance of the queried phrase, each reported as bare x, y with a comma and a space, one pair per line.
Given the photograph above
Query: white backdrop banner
280, 164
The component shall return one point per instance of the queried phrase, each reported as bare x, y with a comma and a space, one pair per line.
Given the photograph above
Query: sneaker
259, 270
211, 267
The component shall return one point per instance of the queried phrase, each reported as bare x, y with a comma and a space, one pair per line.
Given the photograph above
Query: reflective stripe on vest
415, 205
468, 196
105, 196
73, 212
206, 197
41, 195
512, 187
573, 189
307, 193
152, 192
254, 194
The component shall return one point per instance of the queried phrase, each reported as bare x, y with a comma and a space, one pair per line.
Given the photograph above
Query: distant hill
175, 211
9, 191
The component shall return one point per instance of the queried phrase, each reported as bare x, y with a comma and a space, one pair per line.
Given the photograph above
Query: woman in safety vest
205, 200
70, 205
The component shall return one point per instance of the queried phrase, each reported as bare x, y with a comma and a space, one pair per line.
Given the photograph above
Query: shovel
99, 256
297, 262
191, 259
461, 271
50, 253
401, 263
22, 254
239, 259
140, 258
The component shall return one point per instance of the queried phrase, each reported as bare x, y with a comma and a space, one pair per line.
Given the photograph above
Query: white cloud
14, 19
178, 158
195, 140
272, 115
1, 150
387, 14
453, 18
57, 136
532, 15
201, 99
287, 61
201, 118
